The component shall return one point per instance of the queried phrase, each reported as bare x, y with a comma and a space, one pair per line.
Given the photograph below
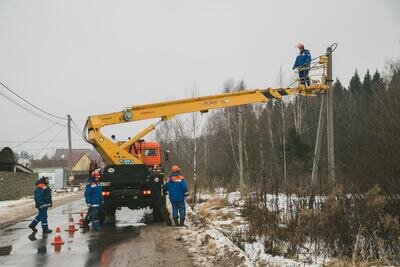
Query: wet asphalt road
18, 247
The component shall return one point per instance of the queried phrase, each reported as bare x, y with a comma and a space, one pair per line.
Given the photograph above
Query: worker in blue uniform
178, 190
93, 198
42, 197
302, 63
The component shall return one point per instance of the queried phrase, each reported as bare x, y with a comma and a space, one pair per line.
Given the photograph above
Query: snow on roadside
12, 210
208, 246
9, 204
12, 203
221, 211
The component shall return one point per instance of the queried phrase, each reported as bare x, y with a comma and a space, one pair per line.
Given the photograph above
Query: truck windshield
150, 152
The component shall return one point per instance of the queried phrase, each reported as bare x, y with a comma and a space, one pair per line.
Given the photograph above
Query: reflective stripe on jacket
42, 196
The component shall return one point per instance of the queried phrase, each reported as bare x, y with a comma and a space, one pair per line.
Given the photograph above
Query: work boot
32, 236
182, 222
176, 221
33, 228
47, 231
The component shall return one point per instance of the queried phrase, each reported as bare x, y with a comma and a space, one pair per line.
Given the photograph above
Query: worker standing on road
178, 190
302, 63
42, 196
93, 198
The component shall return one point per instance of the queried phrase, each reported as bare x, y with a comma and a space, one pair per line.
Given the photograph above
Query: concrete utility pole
70, 173
318, 142
330, 132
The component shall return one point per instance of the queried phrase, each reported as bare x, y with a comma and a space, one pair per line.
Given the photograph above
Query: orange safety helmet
175, 168
96, 173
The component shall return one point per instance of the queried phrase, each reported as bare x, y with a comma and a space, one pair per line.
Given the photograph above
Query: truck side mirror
166, 155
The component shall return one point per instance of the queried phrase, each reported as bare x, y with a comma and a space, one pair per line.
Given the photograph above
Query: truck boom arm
114, 154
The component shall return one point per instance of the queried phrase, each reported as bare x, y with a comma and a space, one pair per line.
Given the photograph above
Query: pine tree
338, 88
377, 82
367, 84
355, 85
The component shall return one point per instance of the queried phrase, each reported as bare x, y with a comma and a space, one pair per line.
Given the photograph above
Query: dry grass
211, 210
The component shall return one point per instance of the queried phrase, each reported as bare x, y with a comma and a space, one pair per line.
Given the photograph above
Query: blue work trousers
304, 78
41, 217
93, 216
178, 207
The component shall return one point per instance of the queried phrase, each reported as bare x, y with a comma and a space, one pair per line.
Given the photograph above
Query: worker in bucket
302, 63
42, 196
93, 198
178, 190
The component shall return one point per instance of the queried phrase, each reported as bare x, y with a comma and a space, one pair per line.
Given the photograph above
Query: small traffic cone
71, 226
81, 221
57, 239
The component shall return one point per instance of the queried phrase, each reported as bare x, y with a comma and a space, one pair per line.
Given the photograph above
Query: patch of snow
209, 246
221, 211
13, 203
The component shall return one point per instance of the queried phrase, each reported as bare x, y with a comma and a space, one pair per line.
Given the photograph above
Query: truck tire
102, 215
107, 215
157, 214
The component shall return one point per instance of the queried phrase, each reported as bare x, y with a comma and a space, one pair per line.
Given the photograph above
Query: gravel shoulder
156, 245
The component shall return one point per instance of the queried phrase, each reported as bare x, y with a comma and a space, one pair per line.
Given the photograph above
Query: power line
36, 136
79, 132
29, 110
57, 134
29, 103
39, 141
75, 125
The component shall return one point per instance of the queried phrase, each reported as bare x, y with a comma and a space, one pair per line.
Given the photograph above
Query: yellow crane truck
129, 180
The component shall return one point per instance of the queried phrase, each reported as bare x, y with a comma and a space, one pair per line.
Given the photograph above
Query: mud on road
155, 245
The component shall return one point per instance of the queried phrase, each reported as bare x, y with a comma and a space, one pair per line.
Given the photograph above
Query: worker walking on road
42, 196
302, 63
178, 190
93, 198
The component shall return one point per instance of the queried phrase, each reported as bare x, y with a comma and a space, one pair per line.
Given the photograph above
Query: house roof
77, 154
7, 156
8, 161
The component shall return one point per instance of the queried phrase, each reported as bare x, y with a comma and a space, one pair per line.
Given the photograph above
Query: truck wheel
109, 217
157, 215
102, 216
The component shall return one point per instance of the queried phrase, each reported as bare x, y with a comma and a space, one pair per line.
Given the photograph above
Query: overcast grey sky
89, 57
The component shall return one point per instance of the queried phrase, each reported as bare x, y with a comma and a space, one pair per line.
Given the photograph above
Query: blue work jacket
42, 196
93, 194
177, 187
302, 59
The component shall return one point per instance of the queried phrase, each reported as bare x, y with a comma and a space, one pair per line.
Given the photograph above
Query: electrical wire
29, 110
36, 136
38, 141
51, 141
78, 133
75, 125
29, 103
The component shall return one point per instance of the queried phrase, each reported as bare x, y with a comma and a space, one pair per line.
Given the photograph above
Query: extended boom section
112, 153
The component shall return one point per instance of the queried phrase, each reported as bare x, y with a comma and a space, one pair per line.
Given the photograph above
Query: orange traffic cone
57, 239
71, 226
81, 222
